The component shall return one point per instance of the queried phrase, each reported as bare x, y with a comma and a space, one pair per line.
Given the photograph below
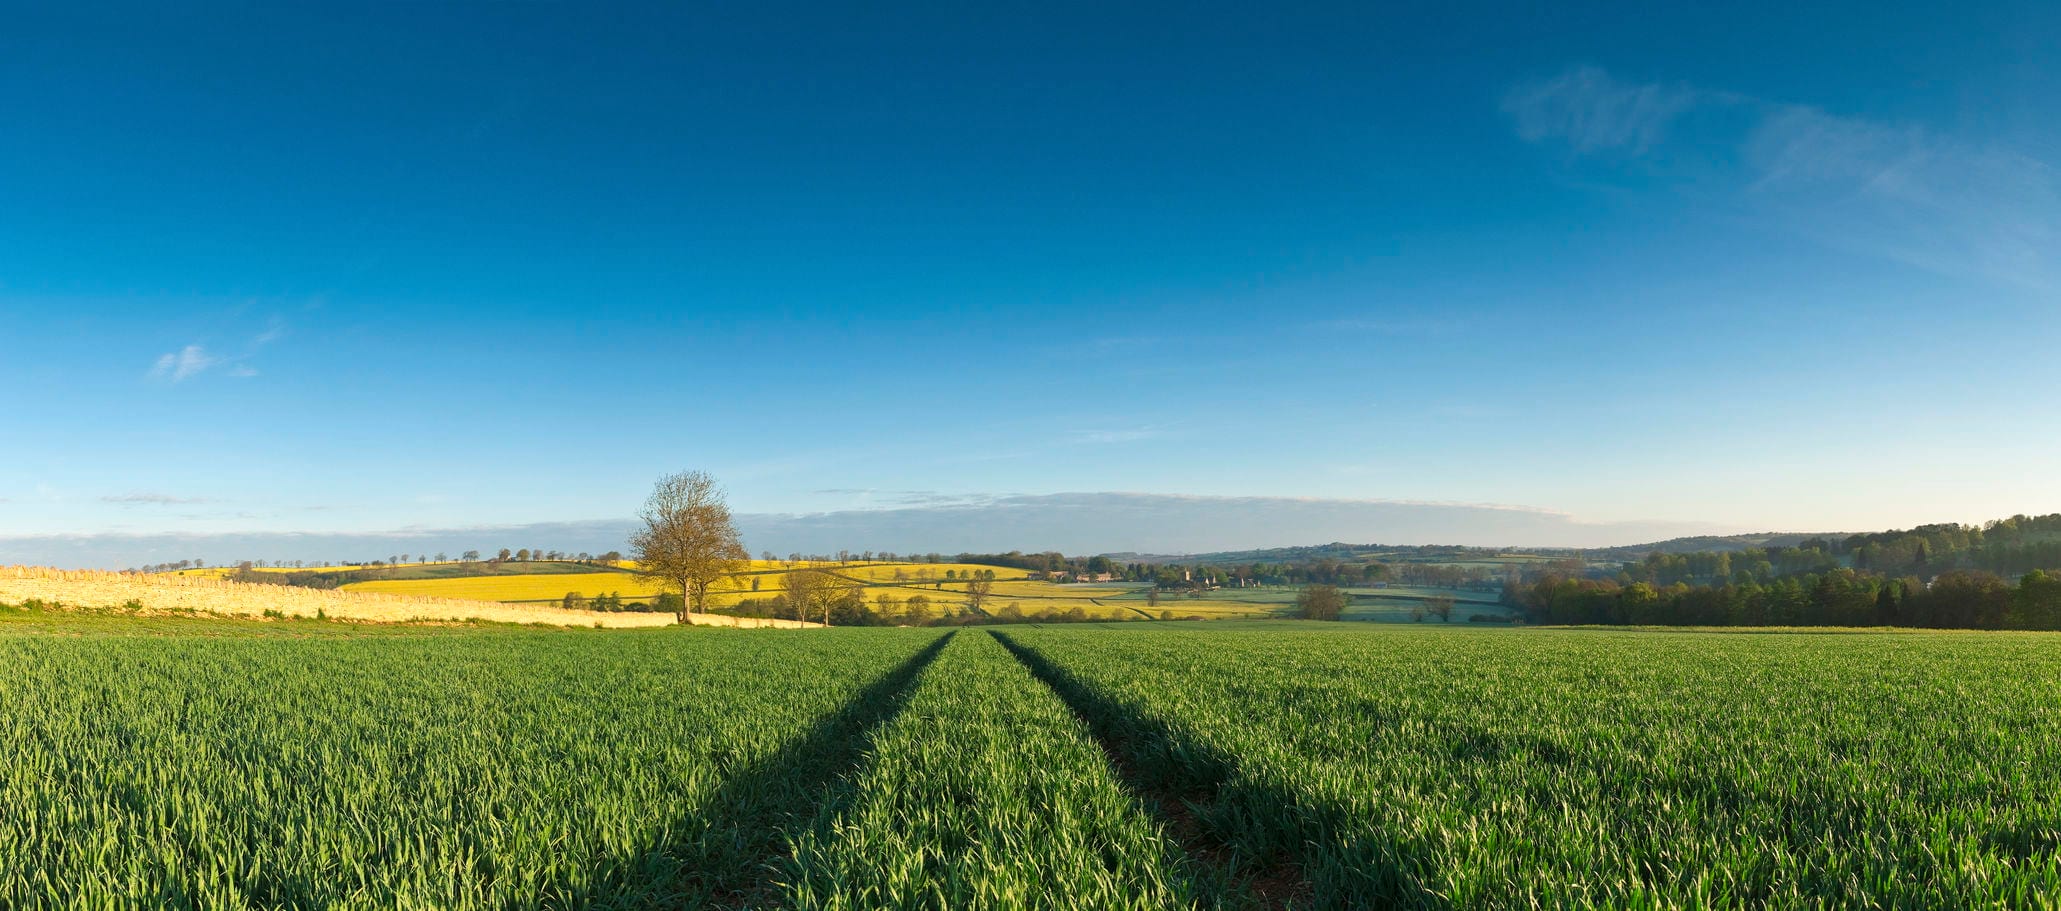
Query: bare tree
977, 592
814, 590
688, 540
1440, 606
799, 588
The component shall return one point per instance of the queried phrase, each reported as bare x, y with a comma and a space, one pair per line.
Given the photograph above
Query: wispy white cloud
275, 331
1910, 195
1895, 191
872, 498
1115, 435
1400, 326
1594, 112
184, 364
195, 359
151, 499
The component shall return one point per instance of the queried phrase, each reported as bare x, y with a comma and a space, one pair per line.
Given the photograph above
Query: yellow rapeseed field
171, 593
899, 581
553, 586
915, 577
923, 572
529, 587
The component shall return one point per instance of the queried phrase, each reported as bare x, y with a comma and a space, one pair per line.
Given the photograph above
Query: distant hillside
1713, 544
1351, 553
2006, 547
1398, 552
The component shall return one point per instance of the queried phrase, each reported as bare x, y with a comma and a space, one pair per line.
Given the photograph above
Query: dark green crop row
986, 792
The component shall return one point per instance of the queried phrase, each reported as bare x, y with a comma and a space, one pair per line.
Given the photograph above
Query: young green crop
221, 764
986, 793
1475, 769
449, 769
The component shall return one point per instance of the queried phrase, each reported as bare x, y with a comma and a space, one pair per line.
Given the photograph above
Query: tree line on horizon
1957, 599
2004, 574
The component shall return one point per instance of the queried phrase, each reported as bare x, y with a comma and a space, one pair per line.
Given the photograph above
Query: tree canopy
688, 540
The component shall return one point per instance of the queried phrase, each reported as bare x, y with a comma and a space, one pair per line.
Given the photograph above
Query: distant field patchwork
943, 584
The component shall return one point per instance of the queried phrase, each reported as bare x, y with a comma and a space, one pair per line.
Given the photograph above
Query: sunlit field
224, 763
528, 587
943, 584
761, 580
141, 593
1415, 767
1106, 601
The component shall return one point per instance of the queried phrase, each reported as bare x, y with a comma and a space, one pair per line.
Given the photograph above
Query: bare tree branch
688, 540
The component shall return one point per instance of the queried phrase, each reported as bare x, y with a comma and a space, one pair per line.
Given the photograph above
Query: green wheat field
227, 764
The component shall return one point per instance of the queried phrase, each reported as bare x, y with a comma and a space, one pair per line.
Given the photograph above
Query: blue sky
337, 269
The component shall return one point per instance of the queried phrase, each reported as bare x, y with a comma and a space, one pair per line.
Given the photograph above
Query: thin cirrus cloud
150, 499
1895, 191
1402, 327
183, 364
1911, 195
275, 331
194, 360
1115, 435
874, 498
1592, 112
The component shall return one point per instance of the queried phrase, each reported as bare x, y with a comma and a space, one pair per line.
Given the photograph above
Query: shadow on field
729, 849
1284, 854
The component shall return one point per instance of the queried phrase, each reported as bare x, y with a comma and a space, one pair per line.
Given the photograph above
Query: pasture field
1211, 608
1422, 592
1392, 604
1083, 592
